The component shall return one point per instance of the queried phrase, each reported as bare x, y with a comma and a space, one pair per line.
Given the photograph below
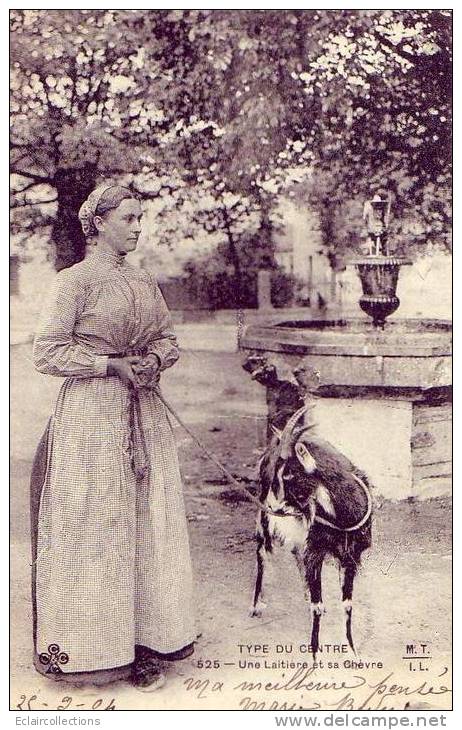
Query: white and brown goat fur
323, 508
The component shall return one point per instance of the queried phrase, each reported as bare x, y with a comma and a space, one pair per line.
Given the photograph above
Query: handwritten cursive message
304, 690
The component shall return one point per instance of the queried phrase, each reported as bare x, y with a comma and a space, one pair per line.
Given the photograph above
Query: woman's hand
147, 371
123, 367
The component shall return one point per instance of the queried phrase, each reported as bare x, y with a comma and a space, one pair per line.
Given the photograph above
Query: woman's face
120, 228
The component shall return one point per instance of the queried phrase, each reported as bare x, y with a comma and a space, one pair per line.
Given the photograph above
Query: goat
319, 504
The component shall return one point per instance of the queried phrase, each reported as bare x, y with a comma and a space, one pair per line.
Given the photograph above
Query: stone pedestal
383, 398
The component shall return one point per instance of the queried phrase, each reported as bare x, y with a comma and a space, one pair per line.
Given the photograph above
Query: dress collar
110, 257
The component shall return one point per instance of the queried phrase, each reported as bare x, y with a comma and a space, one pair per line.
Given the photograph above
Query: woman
112, 581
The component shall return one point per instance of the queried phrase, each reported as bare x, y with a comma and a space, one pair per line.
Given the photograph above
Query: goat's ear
276, 432
304, 457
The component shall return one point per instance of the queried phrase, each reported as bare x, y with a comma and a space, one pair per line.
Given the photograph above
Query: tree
231, 103
242, 149
382, 85
356, 101
119, 90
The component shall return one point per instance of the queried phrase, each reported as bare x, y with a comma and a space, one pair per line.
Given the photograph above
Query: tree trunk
265, 237
326, 221
234, 257
235, 261
73, 187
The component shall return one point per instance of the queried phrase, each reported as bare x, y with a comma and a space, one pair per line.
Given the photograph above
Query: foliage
204, 107
383, 88
215, 273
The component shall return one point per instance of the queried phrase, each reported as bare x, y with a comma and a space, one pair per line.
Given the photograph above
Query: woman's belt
140, 352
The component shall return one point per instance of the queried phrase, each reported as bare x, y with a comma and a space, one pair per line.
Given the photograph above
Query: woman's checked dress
112, 564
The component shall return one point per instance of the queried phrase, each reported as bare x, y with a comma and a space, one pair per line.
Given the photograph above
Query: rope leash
213, 458
242, 488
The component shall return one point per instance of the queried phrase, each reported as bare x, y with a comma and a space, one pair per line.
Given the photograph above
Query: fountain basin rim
255, 342
400, 338
363, 325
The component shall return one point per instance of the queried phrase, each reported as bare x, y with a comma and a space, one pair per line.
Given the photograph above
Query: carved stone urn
379, 279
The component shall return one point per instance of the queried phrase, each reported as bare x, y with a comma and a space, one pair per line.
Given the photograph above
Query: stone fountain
381, 391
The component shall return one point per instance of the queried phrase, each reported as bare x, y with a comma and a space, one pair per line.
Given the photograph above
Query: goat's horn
289, 427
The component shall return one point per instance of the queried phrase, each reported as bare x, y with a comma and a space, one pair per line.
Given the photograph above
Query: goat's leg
314, 582
311, 566
349, 572
258, 605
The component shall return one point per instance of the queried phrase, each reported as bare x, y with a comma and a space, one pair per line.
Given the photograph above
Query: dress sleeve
163, 342
55, 351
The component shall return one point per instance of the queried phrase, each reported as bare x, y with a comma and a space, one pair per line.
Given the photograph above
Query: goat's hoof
256, 611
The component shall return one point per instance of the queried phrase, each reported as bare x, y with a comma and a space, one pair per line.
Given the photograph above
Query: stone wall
431, 447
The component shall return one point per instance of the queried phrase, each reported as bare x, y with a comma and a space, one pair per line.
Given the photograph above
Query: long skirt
111, 561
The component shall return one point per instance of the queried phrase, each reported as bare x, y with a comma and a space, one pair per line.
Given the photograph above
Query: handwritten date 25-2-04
33, 702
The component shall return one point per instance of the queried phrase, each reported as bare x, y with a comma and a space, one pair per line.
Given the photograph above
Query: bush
282, 288
215, 275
